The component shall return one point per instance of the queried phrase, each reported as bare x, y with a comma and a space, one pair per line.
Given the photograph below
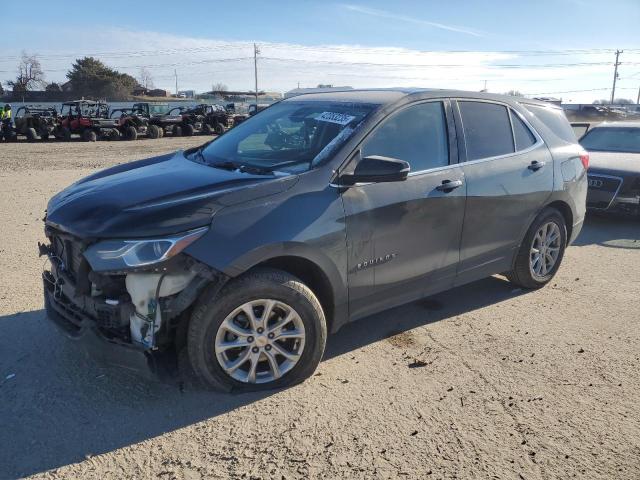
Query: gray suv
236, 258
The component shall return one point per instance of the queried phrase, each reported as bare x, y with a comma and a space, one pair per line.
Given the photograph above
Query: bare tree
30, 74
219, 87
145, 79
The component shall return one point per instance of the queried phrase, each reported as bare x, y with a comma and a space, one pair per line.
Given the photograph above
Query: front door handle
449, 185
535, 165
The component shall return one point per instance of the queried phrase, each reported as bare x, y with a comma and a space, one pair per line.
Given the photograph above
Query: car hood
623, 163
156, 196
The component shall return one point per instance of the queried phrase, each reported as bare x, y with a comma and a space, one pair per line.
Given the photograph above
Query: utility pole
615, 75
175, 73
256, 51
638, 99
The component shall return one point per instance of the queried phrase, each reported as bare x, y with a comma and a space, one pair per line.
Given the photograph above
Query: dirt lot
485, 381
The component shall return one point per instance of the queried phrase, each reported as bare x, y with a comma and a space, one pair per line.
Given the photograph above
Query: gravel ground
485, 381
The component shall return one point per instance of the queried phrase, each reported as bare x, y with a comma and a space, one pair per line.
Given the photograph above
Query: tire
187, 130
89, 135
531, 273
32, 135
176, 131
162, 132
131, 133
212, 311
219, 129
44, 137
206, 129
153, 131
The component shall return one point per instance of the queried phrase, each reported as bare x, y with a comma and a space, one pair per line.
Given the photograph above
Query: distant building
140, 91
320, 89
157, 92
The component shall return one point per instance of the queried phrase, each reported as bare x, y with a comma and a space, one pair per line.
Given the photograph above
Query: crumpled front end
129, 318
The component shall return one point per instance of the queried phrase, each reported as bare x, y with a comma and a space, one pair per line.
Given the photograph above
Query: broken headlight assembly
117, 255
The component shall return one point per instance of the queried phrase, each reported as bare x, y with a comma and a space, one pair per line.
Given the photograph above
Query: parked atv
88, 119
132, 123
157, 114
192, 120
35, 122
217, 120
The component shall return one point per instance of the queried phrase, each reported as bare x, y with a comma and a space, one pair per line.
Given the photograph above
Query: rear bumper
575, 231
81, 329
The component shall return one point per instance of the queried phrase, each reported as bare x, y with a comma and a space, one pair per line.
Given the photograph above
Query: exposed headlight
124, 254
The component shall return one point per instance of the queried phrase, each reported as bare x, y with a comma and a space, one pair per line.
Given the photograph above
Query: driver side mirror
377, 169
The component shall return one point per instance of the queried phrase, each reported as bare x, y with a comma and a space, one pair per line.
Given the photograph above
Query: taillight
584, 158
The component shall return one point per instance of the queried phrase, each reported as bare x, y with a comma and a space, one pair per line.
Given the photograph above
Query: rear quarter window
523, 136
555, 120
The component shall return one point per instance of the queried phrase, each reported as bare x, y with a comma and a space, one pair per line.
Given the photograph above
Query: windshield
612, 139
288, 136
158, 109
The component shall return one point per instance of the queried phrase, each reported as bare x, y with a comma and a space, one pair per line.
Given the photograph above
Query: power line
323, 49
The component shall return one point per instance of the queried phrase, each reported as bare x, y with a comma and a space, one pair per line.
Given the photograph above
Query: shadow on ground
610, 231
56, 407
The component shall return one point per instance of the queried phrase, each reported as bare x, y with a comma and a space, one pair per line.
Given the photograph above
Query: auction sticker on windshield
333, 117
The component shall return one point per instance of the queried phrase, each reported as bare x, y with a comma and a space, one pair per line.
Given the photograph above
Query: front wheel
187, 130
265, 329
541, 251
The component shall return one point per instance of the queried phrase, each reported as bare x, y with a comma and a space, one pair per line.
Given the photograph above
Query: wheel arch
311, 275
565, 211
314, 269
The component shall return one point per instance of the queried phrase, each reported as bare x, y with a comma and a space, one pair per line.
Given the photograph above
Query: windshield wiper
242, 167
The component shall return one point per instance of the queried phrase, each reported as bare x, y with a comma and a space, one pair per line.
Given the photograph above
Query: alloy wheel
545, 250
260, 341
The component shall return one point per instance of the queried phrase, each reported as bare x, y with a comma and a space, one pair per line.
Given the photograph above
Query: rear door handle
449, 185
535, 165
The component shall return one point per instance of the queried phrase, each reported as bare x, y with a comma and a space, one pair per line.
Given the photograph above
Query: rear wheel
219, 129
153, 131
177, 131
131, 133
32, 135
265, 329
541, 252
89, 136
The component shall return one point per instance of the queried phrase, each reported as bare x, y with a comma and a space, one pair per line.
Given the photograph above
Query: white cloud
374, 12
200, 62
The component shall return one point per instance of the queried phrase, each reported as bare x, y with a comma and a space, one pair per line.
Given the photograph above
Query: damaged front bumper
82, 328
127, 319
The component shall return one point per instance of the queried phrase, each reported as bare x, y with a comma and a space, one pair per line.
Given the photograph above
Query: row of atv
96, 121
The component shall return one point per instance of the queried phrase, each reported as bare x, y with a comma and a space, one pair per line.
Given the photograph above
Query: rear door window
487, 129
523, 136
416, 134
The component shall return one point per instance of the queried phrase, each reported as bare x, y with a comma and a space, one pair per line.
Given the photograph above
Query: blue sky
374, 43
